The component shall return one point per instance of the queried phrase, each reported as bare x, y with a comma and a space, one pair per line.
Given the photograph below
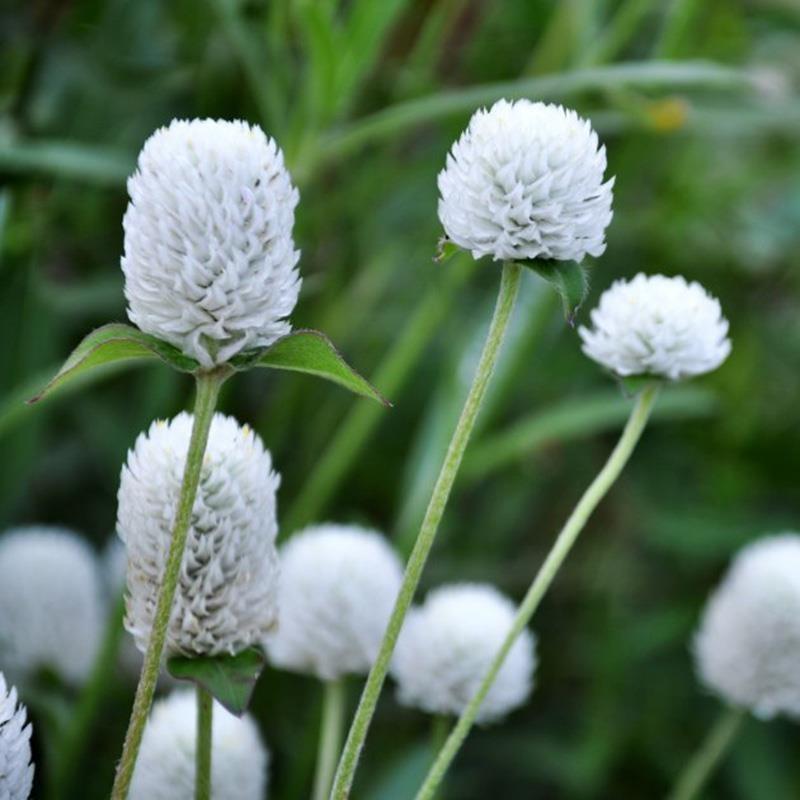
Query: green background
697, 103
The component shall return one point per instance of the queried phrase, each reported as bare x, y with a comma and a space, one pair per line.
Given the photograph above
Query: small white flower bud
525, 181
447, 645
338, 586
51, 603
16, 770
210, 263
165, 769
225, 600
747, 648
653, 325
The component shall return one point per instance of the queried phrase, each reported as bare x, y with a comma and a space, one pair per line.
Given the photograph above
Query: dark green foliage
697, 103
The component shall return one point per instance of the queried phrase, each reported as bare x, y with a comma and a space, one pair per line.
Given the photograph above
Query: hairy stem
509, 287
205, 712
208, 385
544, 578
330, 740
706, 759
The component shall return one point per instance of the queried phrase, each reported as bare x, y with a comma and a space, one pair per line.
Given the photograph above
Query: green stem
205, 712
706, 759
75, 736
509, 287
547, 572
208, 385
330, 740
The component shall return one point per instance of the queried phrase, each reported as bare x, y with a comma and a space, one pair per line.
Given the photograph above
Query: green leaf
71, 160
110, 344
445, 249
230, 679
312, 352
568, 278
641, 75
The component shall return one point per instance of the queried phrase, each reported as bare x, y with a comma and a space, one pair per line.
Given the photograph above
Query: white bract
165, 768
447, 644
210, 263
653, 325
225, 599
16, 770
747, 648
525, 181
338, 586
52, 609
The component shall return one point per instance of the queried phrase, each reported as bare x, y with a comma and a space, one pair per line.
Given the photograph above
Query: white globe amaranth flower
659, 326
747, 646
447, 645
16, 769
165, 768
52, 610
337, 590
526, 181
226, 595
210, 263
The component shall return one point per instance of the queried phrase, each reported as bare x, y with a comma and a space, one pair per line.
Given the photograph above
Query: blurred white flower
338, 586
16, 770
165, 768
525, 181
225, 600
653, 325
51, 603
209, 262
447, 645
747, 648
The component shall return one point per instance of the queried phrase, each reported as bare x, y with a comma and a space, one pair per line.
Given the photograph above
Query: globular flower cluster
51, 603
165, 769
447, 644
659, 326
225, 600
526, 181
747, 647
210, 263
338, 587
16, 769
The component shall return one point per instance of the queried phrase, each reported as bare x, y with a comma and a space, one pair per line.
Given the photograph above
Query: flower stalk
205, 712
509, 288
707, 758
207, 390
544, 578
330, 742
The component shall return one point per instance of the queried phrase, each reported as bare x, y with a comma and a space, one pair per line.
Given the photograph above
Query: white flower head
16, 770
225, 600
338, 586
525, 181
447, 644
653, 325
210, 263
52, 610
165, 769
747, 648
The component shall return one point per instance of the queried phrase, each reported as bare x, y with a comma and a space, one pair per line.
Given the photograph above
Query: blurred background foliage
698, 104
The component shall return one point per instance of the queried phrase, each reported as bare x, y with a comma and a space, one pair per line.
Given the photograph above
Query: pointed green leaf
445, 249
229, 679
112, 343
312, 352
568, 278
